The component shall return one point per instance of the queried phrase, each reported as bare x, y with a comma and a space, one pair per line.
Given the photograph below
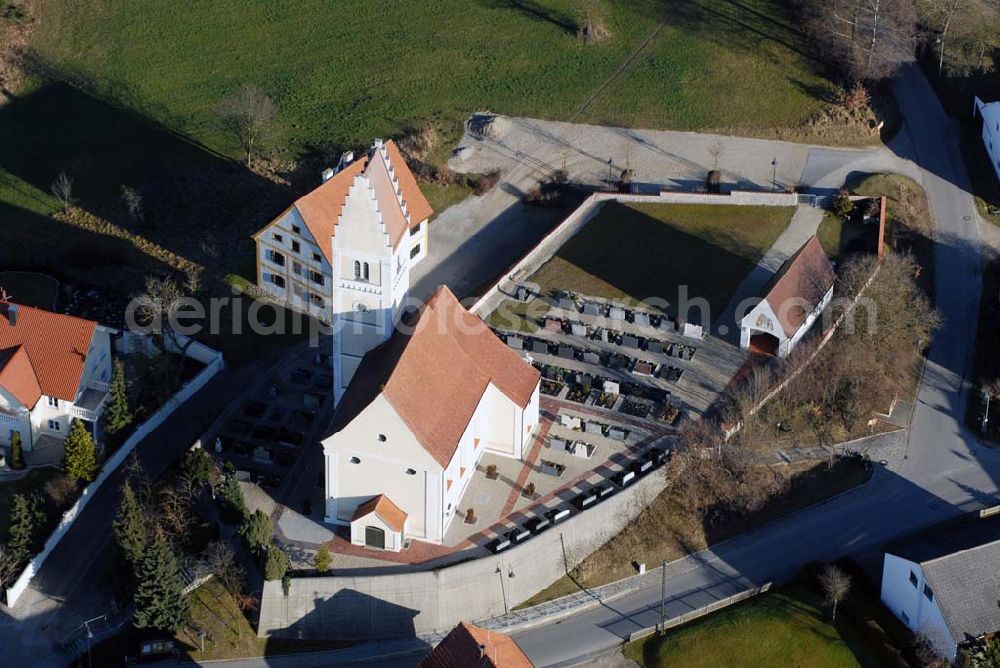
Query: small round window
355, 460
381, 438
410, 472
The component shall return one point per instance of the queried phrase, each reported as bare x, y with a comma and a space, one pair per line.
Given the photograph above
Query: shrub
485, 182
256, 531
61, 491
842, 204
276, 565
322, 560
16, 452
200, 466
234, 507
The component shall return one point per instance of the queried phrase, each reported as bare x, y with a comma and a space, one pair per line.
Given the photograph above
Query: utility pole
663, 595
774, 173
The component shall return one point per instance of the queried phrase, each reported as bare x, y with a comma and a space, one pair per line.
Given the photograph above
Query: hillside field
343, 72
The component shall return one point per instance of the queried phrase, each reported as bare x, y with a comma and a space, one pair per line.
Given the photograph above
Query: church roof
399, 199
382, 506
799, 286
435, 377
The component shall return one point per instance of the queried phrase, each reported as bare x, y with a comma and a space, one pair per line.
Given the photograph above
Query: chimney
327, 174
346, 158
12, 314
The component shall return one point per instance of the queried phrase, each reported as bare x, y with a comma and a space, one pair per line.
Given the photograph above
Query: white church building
422, 409
344, 251
790, 303
989, 113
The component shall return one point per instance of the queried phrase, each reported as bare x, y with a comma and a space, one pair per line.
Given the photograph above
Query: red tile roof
18, 377
435, 377
56, 346
320, 209
804, 278
469, 646
382, 506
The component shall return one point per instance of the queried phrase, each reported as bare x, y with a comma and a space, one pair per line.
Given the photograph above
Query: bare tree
132, 200
964, 29
865, 39
836, 583
158, 307
8, 566
249, 114
62, 190
716, 151
220, 559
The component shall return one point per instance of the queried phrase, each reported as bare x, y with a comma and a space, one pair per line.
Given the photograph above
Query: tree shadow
539, 12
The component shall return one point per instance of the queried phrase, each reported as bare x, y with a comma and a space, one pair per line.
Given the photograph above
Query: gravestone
616, 433
570, 422
641, 319
592, 358
644, 368
692, 331
655, 346
594, 428
566, 352
515, 343
567, 304
611, 387
590, 308
522, 293
578, 329
667, 325
540, 347
559, 443
553, 325
630, 341
616, 313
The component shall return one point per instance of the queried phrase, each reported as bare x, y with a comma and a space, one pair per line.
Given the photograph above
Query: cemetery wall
384, 606
577, 220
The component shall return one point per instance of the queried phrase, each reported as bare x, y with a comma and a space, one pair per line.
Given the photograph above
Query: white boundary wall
213, 364
583, 214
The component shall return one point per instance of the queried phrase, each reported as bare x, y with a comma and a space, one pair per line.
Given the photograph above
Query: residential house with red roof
790, 302
53, 368
421, 410
468, 646
344, 252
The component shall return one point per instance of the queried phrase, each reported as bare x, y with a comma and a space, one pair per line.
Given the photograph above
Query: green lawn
30, 288
787, 628
641, 251
343, 72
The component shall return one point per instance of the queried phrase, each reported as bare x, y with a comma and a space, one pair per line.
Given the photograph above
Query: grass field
344, 72
640, 251
785, 628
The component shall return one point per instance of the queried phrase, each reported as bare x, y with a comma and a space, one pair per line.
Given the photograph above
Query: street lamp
774, 173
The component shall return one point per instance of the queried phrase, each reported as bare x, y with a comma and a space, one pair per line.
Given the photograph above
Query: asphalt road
945, 471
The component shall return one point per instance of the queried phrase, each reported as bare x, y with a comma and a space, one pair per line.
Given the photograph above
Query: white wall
991, 132
393, 538
908, 602
382, 467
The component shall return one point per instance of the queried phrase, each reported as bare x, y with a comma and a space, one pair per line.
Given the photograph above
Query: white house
944, 583
989, 113
420, 412
53, 368
344, 252
790, 302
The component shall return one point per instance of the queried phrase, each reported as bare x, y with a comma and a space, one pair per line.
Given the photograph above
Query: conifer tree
118, 414
159, 601
81, 453
26, 518
16, 452
130, 528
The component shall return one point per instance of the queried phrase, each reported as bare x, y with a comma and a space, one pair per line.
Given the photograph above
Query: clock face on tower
360, 306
